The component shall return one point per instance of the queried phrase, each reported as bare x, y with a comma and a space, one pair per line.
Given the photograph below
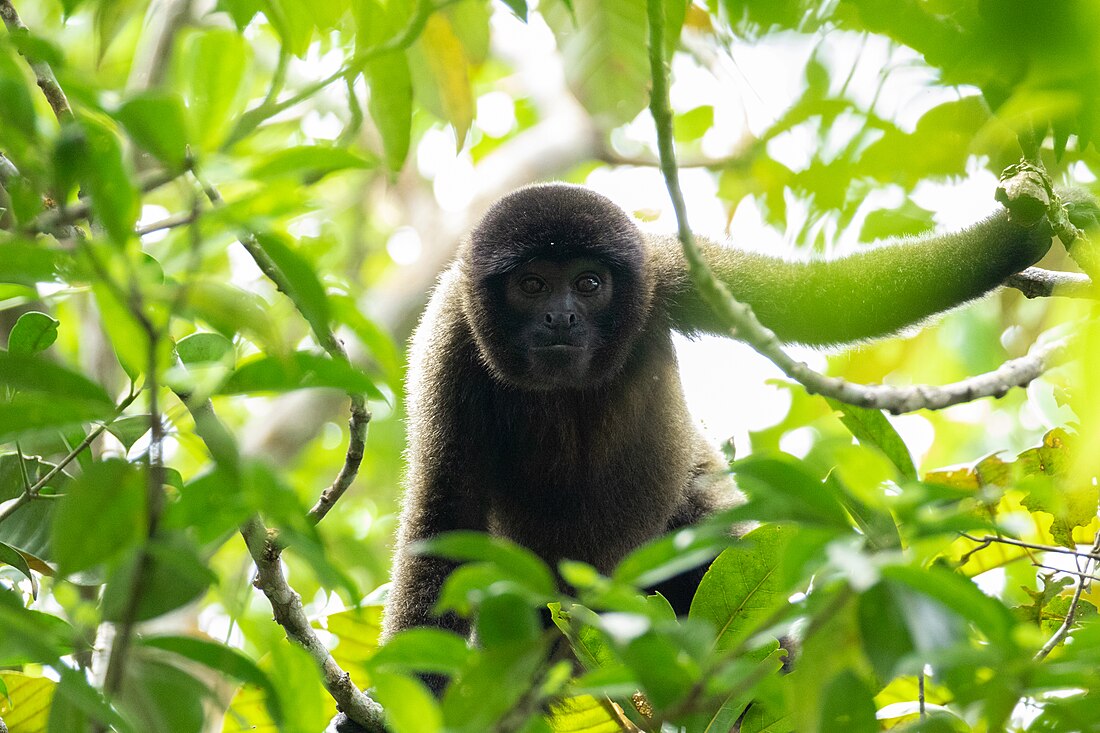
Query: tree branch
1035, 282
745, 326
1083, 580
44, 75
289, 613
286, 604
360, 416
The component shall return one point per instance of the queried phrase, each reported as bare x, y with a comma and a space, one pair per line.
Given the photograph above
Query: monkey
544, 399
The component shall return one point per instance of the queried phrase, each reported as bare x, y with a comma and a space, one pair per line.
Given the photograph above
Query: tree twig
286, 605
1035, 282
43, 73
252, 118
360, 416
1059, 636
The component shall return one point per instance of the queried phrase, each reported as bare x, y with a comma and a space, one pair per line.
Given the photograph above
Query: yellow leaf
449, 67
27, 707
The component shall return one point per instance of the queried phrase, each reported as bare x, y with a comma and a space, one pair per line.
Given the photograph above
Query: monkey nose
561, 321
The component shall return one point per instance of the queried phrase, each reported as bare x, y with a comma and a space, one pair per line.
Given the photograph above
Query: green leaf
129, 430
410, 705
32, 637
32, 333
673, 553
390, 105
162, 698
506, 618
291, 20
309, 161
848, 705
11, 556
203, 347
519, 7
904, 221
222, 659
441, 55
157, 121
28, 528
302, 283
213, 66
242, 11
744, 585
694, 123
90, 152
421, 650
28, 264
871, 427
129, 339
28, 413
230, 310
174, 575
960, 597
31, 373
516, 562
604, 50
883, 629
780, 487
80, 697
113, 493
300, 370
663, 667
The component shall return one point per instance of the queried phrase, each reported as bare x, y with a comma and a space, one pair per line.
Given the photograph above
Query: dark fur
587, 473
593, 471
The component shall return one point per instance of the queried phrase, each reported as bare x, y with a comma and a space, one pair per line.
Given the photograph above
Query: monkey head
556, 292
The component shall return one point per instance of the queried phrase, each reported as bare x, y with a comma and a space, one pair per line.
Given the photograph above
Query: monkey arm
446, 469
874, 292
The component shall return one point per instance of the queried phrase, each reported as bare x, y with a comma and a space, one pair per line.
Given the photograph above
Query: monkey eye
532, 285
587, 283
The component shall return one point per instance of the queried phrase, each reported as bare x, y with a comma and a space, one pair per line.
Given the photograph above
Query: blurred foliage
346, 144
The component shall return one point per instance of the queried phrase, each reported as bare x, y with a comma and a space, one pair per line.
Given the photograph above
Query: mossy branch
744, 325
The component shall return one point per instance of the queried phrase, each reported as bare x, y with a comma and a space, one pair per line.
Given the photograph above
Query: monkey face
538, 295
558, 313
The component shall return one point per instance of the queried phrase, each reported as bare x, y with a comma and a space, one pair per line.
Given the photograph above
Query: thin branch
49, 221
1035, 282
286, 604
44, 75
171, 222
360, 416
1071, 613
252, 119
989, 539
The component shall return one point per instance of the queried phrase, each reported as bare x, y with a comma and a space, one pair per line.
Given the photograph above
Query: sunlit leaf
158, 122
871, 427
213, 68
448, 72
298, 371
743, 585
410, 705
26, 707
32, 333
304, 286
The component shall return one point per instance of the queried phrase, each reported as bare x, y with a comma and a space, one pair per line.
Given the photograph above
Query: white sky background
725, 381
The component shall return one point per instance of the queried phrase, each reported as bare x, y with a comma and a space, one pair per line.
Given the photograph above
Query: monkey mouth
554, 348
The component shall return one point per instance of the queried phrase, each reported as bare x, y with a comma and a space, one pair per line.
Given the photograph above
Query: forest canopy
219, 222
